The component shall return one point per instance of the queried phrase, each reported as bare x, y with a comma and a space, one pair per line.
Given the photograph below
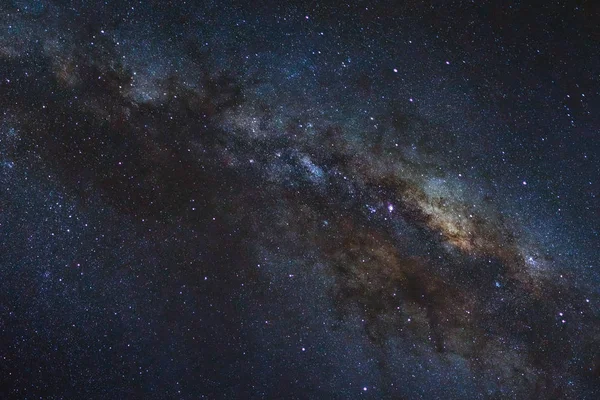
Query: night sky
299, 200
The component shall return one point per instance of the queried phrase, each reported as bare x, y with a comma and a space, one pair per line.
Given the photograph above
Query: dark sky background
299, 200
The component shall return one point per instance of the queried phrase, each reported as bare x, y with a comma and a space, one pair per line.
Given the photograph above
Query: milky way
298, 200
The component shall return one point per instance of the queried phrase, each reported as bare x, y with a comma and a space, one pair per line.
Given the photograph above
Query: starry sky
300, 200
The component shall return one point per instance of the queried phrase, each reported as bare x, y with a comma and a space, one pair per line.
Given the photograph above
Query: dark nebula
299, 200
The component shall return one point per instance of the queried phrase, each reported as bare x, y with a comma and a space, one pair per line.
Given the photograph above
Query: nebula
296, 201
